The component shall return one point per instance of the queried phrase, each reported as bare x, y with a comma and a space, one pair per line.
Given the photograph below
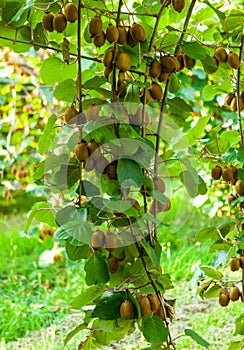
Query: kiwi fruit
231, 197
216, 64
233, 60
123, 62
163, 77
178, 5
137, 32
121, 91
160, 207
127, 309
112, 33
134, 203
234, 293
160, 313
147, 98
93, 148
90, 164
98, 239
101, 164
107, 71
216, 172
130, 41
159, 185
242, 262
111, 241
189, 62
59, 22
47, 21
95, 26
180, 59
122, 35
227, 174
233, 105
136, 119
220, 54
108, 58
71, 12
224, 298
169, 64
69, 115
92, 112
100, 39
156, 91
81, 152
113, 264
144, 305
228, 99
234, 264
111, 171
154, 302
239, 186
121, 77
155, 69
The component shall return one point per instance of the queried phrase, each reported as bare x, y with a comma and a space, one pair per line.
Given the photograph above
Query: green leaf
108, 307
199, 340
48, 135
94, 83
65, 91
150, 252
40, 36
97, 270
207, 233
220, 14
190, 181
240, 325
179, 107
154, 329
71, 334
193, 49
236, 345
129, 173
240, 155
41, 211
86, 298
54, 70
212, 292
77, 252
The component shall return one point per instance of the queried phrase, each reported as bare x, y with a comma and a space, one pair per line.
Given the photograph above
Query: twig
238, 92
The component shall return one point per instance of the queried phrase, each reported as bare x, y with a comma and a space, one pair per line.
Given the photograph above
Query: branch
238, 92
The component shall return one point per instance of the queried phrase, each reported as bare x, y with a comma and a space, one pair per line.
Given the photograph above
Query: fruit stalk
238, 92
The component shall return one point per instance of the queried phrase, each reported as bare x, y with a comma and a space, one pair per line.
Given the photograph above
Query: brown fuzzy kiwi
101, 164
134, 203
233, 60
113, 264
130, 41
70, 114
121, 91
95, 26
137, 32
47, 21
216, 64
160, 207
227, 174
127, 310
98, 239
168, 64
122, 35
154, 302
136, 119
144, 305
123, 62
111, 241
163, 77
155, 69
159, 185
233, 105
81, 152
234, 293
107, 71
178, 5
231, 197
242, 262
228, 99
156, 91
160, 313
111, 171
220, 54
239, 186
180, 59
100, 39
147, 98
234, 264
216, 172
59, 22
112, 33
71, 12
108, 58
93, 148
121, 77
90, 164
92, 112
189, 62
224, 298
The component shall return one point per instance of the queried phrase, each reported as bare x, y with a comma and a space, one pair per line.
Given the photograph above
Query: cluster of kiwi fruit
232, 293
46, 232
231, 102
20, 171
221, 56
230, 175
59, 20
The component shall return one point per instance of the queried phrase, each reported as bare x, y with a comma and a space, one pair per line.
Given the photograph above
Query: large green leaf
240, 325
75, 253
207, 233
129, 173
87, 297
48, 136
97, 270
199, 340
108, 307
154, 329
43, 212
54, 70
193, 49
65, 91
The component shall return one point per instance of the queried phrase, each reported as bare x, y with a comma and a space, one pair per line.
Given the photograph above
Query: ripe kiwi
160, 313
123, 62
189, 62
180, 59
147, 98
155, 69
122, 35
216, 172
156, 91
239, 186
47, 21
154, 302
108, 58
111, 171
134, 203
113, 264
69, 115
136, 119
81, 152
92, 112
160, 207
233, 105
130, 41
234, 264
112, 33
178, 5
100, 39
111, 241
59, 22
234, 293
216, 64
163, 77
107, 71
121, 91
145, 305
90, 164
137, 32
227, 174
169, 64
127, 310
231, 197
121, 77
95, 26
228, 99
101, 164
93, 148
224, 298
159, 185
242, 262
71, 12
220, 54
98, 239
233, 60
